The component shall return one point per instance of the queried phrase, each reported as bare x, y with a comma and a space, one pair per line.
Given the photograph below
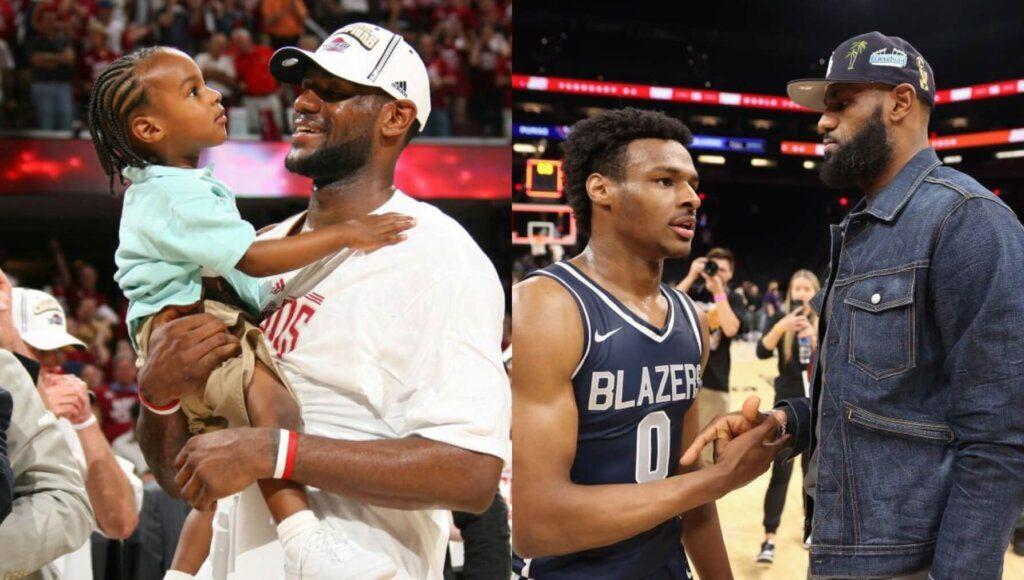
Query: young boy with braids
185, 248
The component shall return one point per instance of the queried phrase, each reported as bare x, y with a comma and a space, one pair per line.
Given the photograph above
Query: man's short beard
862, 159
332, 163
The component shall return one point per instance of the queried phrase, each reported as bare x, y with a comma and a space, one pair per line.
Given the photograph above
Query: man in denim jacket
916, 417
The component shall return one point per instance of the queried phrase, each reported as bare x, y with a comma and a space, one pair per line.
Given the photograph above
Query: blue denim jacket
919, 382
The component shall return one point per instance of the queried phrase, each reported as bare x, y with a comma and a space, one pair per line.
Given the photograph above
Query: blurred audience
219, 67
116, 399
51, 50
52, 58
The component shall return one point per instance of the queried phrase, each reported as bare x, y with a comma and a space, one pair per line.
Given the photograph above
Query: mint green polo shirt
176, 222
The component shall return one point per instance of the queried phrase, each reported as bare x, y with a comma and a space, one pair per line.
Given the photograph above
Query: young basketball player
608, 365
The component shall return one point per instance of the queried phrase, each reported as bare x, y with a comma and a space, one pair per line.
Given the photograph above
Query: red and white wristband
287, 445
168, 409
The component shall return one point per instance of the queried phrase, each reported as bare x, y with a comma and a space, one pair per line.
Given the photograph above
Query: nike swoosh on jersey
598, 337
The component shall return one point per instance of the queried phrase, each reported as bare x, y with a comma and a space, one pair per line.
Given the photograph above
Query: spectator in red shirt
8, 27
259, 89
116, 399
96, 57
442, 80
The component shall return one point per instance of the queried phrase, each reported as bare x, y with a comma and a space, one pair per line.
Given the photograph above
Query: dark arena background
722, 68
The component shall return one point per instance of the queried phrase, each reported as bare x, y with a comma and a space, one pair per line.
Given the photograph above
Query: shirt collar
888, 202
140, 174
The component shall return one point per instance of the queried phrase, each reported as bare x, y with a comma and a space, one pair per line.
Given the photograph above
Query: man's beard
332, 163
862, 159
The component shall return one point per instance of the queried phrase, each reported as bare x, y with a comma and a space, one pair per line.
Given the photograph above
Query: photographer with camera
707, 283
793, 336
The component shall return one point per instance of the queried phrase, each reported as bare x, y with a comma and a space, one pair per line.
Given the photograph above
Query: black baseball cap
868, 58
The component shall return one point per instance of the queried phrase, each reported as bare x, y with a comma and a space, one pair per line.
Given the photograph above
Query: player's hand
374, 231
215, 465
182, 353
723, 429
751, 454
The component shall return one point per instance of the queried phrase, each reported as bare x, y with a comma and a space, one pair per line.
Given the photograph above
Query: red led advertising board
428, 170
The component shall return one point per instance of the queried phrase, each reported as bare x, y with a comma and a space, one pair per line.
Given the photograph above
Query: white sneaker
325, 554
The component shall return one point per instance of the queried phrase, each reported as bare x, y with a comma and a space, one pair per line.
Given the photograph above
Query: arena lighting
700, 142
844, 201
525, 148
711, 159
995, 89
762, 162
961, 141
1011, 154
951, 159
652, 93
810, 164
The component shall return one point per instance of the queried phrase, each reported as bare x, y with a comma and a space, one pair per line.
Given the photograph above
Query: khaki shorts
222, 402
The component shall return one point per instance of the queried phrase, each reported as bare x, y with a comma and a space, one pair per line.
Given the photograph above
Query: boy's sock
295, 526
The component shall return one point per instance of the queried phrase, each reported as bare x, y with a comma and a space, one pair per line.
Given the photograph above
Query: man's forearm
685, 283
110, 492
571, 518
161, 437
727, 318
411, 473
702, 536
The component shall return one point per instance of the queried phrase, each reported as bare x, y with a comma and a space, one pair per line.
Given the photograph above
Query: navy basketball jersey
633, 386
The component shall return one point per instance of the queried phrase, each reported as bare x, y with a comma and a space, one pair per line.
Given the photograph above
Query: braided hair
115, 94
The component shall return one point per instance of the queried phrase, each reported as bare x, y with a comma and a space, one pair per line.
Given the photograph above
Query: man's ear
601, 189
399, 117
147, 129
902, 99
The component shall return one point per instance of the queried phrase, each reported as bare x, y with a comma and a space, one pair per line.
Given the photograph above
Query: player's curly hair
598, 145
116, 93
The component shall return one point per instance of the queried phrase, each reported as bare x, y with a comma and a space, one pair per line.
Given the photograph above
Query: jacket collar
887, 203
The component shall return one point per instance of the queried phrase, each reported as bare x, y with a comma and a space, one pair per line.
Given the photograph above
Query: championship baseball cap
365, 54
868, 58
40, 320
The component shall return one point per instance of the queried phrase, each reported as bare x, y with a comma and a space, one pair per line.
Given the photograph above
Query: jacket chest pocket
882, 334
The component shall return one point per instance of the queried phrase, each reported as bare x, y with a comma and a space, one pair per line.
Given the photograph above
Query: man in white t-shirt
218, 66
395, 354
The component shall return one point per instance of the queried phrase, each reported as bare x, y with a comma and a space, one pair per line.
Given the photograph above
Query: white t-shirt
402, 341
223, 63
78, 564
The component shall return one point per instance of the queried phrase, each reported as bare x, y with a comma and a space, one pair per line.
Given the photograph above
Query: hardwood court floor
742, 511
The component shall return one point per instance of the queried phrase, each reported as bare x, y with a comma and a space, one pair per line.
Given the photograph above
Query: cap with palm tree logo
868, 58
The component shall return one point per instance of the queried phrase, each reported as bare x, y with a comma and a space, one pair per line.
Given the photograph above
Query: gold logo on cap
44, 305
363, 34
924, 73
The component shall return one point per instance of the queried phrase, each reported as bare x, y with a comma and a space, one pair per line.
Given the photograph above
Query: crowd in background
51, 51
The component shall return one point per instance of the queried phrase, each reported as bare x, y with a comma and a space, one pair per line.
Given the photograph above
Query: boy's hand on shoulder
375, 231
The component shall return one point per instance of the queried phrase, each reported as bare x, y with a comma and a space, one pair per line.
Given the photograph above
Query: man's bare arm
161, 438
110, 491
409, 473
183, 351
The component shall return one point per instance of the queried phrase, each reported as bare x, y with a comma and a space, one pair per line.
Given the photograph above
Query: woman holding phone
793, 335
